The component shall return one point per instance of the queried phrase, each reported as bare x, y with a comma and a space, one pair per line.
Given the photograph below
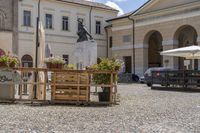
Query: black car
159, 74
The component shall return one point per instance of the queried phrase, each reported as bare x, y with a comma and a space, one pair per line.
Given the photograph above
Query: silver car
159, 74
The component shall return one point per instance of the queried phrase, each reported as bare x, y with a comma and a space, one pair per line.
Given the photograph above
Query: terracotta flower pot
59, 66
48, 65
53, 66
12, 65
3, 64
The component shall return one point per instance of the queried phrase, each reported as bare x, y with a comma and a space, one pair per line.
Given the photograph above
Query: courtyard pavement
141, 110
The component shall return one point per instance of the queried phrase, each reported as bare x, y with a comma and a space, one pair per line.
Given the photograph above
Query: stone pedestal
85, 54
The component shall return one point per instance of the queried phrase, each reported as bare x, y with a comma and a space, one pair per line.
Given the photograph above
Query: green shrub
106, 64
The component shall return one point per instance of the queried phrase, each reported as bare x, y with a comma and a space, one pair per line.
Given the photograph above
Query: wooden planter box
12, 65
70, 87
54, 66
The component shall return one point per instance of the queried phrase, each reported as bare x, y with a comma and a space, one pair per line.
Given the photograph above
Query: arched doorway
27, 61
154, 40
186, 36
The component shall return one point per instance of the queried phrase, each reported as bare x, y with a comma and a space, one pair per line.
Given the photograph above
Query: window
49, 21
27, 61
127, 38
111, 42
27, 18
98, 27
80, 20
66, 58
65, 23
128, 64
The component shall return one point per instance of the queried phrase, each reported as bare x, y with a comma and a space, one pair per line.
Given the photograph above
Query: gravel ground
140, 110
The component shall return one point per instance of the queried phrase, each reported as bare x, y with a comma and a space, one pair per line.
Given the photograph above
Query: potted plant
105, 64
4, 61
13, 61
8, 61
54, 62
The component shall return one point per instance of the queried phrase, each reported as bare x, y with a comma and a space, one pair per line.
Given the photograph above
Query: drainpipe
131, 19
107, 42
90, 19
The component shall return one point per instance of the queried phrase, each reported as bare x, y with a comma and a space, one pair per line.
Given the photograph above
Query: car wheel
149, 84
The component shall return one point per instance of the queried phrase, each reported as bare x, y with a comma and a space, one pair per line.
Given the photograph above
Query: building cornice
186, 12
167, 11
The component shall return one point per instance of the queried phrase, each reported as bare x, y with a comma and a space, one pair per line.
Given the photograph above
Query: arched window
154, 41
2, 20
27, 61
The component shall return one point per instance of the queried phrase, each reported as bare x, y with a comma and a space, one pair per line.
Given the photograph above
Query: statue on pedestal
83, 33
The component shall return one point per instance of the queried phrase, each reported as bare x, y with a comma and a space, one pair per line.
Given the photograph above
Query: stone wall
8, 21
7, 10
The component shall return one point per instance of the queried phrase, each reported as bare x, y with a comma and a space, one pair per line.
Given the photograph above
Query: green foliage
70, 67
4, 59
14, 60
7, 59
106, 64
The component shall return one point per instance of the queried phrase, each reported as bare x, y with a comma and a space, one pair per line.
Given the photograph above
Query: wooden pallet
67, 87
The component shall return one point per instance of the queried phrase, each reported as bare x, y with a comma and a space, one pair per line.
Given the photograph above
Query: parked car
159, 74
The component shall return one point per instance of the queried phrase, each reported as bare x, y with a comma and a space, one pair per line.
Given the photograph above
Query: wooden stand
68, 87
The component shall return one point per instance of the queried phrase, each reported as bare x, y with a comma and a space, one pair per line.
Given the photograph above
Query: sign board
9, 76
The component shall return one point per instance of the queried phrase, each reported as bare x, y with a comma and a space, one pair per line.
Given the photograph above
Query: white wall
61, 42
6, 41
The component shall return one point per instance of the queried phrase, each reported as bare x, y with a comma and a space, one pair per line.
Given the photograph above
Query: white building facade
59, 18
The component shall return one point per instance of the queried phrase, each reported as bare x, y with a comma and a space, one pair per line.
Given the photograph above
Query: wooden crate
70, 87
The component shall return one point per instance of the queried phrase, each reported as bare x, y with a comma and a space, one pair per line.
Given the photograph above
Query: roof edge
110, 8
131, 13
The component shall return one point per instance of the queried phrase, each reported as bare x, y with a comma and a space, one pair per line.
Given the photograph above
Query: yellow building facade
160, 25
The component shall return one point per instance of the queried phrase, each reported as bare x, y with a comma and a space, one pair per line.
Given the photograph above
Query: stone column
141, 58
171, 62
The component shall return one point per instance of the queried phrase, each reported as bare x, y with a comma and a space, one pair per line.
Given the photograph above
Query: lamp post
37, 45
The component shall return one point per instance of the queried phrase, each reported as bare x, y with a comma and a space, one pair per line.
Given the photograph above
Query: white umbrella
41, 49
41, 56
190, 52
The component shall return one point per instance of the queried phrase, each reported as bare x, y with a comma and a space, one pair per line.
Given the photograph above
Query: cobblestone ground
140, 110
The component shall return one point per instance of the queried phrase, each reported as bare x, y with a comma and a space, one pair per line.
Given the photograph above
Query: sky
124, 6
